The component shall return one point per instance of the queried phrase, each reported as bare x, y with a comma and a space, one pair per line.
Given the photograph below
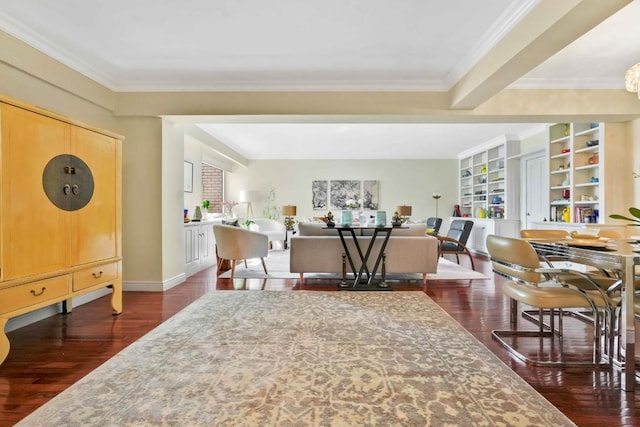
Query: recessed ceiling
357, 140
264, 45
329, 45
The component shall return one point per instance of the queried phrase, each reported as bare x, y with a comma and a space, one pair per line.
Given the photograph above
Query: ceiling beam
549, 27
217, 146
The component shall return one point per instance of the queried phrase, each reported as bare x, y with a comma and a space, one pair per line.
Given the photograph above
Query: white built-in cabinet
590, 172
199, 246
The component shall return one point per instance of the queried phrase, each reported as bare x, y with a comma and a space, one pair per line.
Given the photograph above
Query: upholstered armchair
275, 230
433, 225
456, 240
236, 243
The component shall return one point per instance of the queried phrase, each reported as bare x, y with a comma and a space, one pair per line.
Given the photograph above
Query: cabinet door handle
66, 189
75, 189
37, 294
97, 275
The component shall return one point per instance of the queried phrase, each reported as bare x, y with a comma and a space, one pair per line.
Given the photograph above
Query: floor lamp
436, 196
247, 197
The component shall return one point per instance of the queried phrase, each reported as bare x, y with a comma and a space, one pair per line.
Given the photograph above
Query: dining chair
236, 243
456, 240
541, 287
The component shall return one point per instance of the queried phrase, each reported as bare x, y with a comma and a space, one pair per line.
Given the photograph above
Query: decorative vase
362, 218
197, 216
346, 218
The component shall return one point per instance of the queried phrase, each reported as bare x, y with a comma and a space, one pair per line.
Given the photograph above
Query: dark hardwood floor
48, 356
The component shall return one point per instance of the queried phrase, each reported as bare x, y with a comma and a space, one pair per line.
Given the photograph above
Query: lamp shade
289, 210
247, 196
404, 210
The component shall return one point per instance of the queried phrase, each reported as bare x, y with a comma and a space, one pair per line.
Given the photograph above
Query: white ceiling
381, 45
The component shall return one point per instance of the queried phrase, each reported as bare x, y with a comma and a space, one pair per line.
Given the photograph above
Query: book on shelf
584, 214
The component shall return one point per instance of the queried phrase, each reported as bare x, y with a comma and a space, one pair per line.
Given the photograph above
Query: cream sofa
315, 249
275, 230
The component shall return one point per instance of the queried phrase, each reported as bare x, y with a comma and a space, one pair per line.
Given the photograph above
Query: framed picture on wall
319, 194
344, 191
370, 195
188, 177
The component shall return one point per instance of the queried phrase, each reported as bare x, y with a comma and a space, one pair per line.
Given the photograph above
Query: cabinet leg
67, 306
116, 297
4, 341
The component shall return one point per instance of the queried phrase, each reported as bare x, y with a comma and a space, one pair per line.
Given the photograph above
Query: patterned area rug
278, 268
303, 358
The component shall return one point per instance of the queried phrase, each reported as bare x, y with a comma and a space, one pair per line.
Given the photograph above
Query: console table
359, 281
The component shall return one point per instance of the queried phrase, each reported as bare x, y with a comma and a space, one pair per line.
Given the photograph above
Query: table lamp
289, 212
404, 212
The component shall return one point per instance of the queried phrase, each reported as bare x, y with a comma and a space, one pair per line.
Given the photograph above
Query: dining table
620, 257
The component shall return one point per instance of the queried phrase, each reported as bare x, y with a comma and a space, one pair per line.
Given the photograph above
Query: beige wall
152, 171
401, 182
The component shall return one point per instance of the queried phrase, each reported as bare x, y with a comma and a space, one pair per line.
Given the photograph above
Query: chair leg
301, 279
546, 331
473, 267
233, 268
264, 266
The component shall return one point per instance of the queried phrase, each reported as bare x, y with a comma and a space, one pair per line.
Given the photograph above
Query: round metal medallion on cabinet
68, 182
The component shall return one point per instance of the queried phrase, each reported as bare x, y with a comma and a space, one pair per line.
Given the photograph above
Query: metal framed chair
529, 283
456, 239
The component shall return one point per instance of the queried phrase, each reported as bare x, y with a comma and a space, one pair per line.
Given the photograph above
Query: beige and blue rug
303, 358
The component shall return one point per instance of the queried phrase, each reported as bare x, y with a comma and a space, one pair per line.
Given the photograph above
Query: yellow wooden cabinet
60, 211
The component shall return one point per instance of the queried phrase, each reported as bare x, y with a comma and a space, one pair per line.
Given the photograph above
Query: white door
534, 192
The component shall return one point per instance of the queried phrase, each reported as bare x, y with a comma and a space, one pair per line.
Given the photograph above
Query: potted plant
249, 224
205, 209
635, 212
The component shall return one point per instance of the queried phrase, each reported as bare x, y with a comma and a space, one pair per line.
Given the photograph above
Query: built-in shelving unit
488, 176
584, 159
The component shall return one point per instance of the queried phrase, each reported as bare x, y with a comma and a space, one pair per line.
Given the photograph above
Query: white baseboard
154, 286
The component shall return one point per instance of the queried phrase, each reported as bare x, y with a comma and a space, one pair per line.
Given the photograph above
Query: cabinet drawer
33, 293
93, 276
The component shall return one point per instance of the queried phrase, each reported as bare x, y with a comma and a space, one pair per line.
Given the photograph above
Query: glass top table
620, 257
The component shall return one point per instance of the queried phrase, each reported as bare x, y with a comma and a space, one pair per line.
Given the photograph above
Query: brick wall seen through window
212, 186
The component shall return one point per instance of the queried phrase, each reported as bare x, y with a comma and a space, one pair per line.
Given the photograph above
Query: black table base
363, 278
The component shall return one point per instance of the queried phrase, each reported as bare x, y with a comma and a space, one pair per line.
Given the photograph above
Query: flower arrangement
227, 206
353, 203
